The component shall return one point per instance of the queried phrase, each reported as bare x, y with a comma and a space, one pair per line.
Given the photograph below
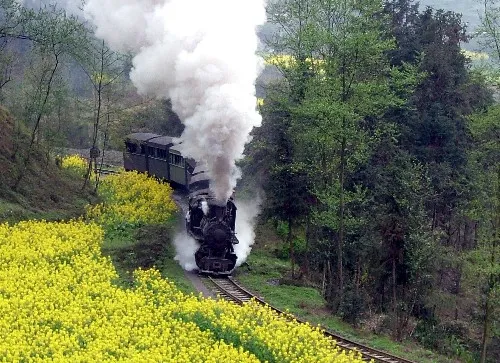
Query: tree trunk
394, 290
329, 282
494, 277
434, 218
457, 291
486, 327
290, 245
98, 98
39, 116
308, 236
323, 285
340, 269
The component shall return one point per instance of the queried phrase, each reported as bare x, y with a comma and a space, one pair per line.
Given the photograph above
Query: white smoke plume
245, 232
185, 246
202, 55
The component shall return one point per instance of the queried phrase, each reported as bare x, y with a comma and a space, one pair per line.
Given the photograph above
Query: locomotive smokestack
219, 203
201, 55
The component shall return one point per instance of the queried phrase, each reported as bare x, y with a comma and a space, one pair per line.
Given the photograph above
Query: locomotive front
212, 225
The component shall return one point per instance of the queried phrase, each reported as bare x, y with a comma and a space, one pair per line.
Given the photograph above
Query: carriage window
151, 151
143, 149
161, 153
176, 160
131, 148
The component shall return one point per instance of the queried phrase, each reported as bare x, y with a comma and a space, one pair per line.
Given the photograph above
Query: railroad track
230, 290
107, 171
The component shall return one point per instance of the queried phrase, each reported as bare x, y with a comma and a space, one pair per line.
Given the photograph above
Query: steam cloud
202, 55
245, 231
186, 246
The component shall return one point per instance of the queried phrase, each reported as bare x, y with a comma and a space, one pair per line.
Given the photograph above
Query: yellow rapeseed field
288, 61
59, 301
133, 198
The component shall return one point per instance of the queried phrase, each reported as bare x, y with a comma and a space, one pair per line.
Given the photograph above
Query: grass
144, 247
263, 274
13, 212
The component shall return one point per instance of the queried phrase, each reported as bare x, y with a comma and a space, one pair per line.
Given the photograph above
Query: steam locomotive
209, 222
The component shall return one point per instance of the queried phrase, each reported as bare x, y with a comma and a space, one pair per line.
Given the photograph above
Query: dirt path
111, 157
198, 284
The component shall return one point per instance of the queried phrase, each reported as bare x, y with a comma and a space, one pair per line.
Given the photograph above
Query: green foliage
307, 303
450, 339
256, 347
482, 264
298, 242
352, 306
364, 147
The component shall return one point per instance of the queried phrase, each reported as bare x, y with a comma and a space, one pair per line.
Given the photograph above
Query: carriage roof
161, 142
175, 149
142, 136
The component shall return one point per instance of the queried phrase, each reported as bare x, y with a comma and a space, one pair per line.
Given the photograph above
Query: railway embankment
31, 185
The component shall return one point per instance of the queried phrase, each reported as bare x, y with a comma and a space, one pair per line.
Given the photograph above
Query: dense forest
378, 155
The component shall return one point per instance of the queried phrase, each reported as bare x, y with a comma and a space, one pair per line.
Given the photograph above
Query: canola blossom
59, 302
287, 61
133, 198
75, 164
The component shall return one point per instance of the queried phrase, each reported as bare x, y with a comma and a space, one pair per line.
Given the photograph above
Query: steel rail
107, 172
229, 289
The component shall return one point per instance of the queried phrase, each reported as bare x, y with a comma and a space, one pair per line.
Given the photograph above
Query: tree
435, 130
104, 68
340, 48
10, 29
483, 262
55, 37
401, 265
271, 157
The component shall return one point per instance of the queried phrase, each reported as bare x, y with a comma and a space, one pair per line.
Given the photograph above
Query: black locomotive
208, 221
212, 224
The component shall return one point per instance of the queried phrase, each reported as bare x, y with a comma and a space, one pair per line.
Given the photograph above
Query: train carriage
158, 156
135, 154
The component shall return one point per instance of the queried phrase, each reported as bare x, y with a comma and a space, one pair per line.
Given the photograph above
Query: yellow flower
75, 164
133, 198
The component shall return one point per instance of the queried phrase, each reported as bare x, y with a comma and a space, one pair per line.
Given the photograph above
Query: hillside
45, 191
